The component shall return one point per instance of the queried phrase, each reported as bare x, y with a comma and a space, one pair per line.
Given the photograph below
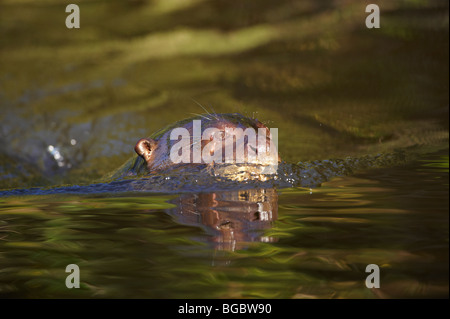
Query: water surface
347, 101
256, 243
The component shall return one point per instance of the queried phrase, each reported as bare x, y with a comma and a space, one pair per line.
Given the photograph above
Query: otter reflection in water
233, 218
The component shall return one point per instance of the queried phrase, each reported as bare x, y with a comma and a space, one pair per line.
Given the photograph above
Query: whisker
201, 106
9, 231
192, 144
189, 137
215, 115
205, 117
192, 211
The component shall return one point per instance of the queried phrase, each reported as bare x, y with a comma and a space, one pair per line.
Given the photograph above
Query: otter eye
144, 148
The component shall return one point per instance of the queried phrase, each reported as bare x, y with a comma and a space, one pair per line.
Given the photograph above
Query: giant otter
206, 141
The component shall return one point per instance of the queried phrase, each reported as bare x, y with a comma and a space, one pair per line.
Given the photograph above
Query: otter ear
144, 148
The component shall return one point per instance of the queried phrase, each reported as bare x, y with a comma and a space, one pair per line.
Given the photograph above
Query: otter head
214, 139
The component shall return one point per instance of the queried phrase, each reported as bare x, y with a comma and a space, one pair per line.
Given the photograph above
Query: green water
301, 244
73, 103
